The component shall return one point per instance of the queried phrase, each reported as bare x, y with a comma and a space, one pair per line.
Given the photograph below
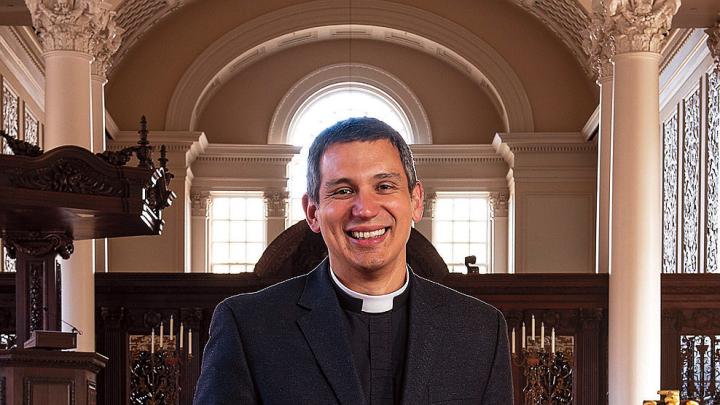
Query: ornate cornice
599, 47
713, 42
70, 25
639, 25
567, 19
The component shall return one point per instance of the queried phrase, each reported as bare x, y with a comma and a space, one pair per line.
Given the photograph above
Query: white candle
513, 340
189, 341
152, 341
542, 335
532, 328
161, 335
553, 341
172, 328
181, 335
522, 342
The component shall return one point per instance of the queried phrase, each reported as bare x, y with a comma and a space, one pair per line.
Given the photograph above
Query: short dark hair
362, 129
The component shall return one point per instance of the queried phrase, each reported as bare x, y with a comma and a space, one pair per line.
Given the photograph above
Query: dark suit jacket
287, 344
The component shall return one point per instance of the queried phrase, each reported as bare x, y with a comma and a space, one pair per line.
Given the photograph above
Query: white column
97, 96
200, 237
600, 49
69, 33
636, 229
499, 219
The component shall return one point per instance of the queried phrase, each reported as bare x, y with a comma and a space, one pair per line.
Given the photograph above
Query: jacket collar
326, 334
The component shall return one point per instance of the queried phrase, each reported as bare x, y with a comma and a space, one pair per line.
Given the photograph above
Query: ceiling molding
413, 25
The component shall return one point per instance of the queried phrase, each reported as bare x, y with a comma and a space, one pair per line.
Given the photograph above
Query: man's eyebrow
335, 182
392, 175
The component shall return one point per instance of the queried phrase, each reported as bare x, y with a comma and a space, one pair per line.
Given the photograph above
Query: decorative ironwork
67, 176
548, 376
670, 194
35, 296
154, 378
9, 264
7, 341
712, 173
20, 147
143, 151
691, 183
700, 357
10, 115
31, 129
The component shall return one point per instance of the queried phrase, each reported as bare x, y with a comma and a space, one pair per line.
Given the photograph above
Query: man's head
363, 195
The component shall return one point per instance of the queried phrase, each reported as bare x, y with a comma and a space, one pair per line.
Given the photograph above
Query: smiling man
361, 328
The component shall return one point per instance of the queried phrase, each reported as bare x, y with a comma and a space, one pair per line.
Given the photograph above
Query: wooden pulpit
47, 201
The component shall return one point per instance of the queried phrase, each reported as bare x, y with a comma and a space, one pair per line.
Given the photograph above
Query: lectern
47, 201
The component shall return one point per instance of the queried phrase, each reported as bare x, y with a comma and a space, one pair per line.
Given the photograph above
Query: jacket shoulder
275, 297
459, 304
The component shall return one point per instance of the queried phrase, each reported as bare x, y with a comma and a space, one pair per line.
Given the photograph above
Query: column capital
639, 25
713, 42
71, 25
599, 47
276, 203
499, 204
429, 205
106, 42
200, 202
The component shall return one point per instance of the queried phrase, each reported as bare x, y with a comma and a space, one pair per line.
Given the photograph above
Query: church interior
569, 152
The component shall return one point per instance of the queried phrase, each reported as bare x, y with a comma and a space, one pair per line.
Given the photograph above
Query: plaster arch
338, 73
326, 19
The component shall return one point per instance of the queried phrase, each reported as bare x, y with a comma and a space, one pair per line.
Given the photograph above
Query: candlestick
532, 328
190, 341
542, 335
152, 341
172, 327
523, 336
161, 335
513, 340
181, 335
552, 340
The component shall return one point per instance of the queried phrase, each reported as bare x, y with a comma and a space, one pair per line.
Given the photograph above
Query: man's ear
416, 197
310, 208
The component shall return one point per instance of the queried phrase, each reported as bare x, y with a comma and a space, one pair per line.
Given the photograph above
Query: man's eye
386, 187
342, 191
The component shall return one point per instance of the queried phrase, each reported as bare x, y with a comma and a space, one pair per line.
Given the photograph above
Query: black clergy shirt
378, 342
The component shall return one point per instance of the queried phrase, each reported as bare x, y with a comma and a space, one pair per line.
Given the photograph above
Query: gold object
671, 397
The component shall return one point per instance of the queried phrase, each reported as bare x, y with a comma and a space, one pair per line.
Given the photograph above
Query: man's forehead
361, 159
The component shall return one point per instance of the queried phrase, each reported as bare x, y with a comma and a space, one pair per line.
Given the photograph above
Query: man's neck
376, 283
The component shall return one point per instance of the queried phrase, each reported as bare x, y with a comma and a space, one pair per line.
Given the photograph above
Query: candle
152, 341
181, 335
532, 328
513, 340
522, 342
161, 335
542, 335
172, 328
552, 347
190, 341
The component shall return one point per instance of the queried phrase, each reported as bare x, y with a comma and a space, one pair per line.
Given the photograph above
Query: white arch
320, 19
361, 73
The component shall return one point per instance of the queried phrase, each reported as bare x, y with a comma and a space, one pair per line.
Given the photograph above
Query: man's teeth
367, 235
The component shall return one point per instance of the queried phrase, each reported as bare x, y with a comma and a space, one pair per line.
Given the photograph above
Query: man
361, 328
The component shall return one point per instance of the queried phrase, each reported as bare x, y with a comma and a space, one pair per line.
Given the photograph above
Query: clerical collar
373, 303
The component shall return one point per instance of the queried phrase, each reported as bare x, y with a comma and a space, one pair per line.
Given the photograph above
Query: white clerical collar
373, 303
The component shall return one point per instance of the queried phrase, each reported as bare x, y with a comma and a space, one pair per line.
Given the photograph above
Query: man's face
364, 210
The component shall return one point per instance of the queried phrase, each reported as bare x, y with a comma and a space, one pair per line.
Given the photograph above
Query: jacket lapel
423, 337
325, 332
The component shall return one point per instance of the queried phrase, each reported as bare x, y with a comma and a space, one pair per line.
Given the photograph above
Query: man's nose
366, 205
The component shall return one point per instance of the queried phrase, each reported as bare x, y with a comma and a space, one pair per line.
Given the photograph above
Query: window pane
478, 208
237, 208
461, 231
254, 251
461, 209
479, 232
237, 253
220, 231
220, 268
255, 208
443, 231
220, 252
443, 208
255, 231
237, 231
220, 208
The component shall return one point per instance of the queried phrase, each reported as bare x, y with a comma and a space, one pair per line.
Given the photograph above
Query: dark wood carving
298, 250
19, 147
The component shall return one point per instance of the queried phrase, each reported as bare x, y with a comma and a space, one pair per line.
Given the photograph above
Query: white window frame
239, 266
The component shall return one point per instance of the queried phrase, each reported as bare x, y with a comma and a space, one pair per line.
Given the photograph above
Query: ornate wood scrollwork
21, 148
143, 151
36, 244
66, 175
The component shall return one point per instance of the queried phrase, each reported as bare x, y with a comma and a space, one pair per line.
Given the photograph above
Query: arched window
325, 107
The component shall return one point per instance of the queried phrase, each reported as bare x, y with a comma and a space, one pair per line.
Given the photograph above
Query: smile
368, 235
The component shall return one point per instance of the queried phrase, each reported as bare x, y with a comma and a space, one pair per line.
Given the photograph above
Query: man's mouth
368, 235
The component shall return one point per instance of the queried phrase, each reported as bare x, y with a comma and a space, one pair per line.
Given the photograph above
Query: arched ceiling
565, 18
